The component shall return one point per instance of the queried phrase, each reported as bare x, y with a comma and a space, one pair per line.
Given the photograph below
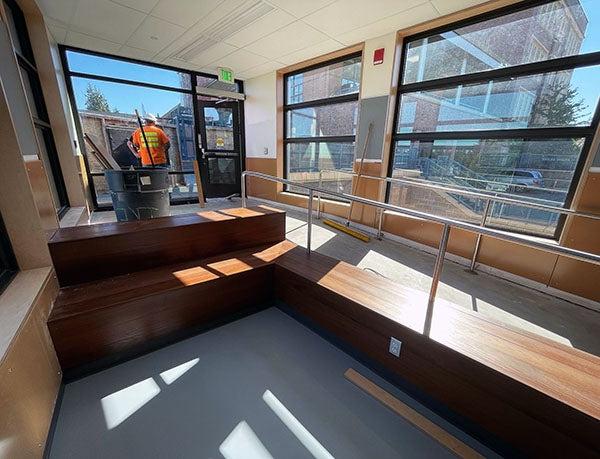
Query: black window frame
8, 261
354, 97
550, 65
192, 91
40, 118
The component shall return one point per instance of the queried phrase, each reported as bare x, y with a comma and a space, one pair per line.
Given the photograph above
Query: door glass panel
219, 128
221, 171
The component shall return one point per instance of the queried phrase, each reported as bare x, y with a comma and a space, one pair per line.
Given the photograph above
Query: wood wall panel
29, 383
86, 253
261, 188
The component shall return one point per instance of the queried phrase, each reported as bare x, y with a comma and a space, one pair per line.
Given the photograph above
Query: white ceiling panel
274, 20
319, 49
154, 34
239, 60
136, 53
390, 24
300, 8
291, 38
261, 69
60, 10
184, 12
92, 43
212, 54
140, 5
106, 20
350, 14
58, 33
450, 6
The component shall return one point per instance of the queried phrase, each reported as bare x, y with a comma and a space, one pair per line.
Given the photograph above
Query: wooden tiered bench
169, 275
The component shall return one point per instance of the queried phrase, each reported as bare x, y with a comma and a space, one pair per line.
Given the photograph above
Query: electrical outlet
395, 346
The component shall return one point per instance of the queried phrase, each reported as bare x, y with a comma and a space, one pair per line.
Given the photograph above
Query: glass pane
325, 120
183, 187
214, 83
219, 128
530, 170
102, 191
13, 29
556, 99
116, 68
106, 112
221, 171
305, 160
45, 157
553, 30
29, 94
323, 82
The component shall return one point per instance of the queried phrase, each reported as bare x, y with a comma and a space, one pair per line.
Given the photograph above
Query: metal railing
489, 198
447, 223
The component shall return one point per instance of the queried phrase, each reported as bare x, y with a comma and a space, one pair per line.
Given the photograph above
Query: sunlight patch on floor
173, 374
120, 405
242, 443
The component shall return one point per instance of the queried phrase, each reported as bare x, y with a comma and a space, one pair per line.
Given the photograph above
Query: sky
127, 98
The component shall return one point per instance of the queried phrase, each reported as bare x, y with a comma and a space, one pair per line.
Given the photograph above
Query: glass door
220, 151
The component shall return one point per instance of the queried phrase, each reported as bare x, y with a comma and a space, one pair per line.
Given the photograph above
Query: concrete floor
510, 303
232, 392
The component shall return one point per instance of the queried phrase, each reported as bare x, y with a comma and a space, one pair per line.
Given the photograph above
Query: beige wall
574, 277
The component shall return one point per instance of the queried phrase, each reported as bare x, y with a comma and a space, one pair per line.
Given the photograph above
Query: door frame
239, 141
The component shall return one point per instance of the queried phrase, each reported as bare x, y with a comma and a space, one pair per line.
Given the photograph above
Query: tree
560, 105
95, 100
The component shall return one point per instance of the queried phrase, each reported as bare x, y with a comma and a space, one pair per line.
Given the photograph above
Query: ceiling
253, 37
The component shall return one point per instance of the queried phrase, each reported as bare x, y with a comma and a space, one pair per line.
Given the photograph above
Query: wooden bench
539, 396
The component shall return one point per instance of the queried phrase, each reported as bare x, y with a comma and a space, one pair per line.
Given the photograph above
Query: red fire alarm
378, 56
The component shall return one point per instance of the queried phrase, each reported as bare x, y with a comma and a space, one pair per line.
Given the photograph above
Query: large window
35, 99
503, 104
321, 114
8, 264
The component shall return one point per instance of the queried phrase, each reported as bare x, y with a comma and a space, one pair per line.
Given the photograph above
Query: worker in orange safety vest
158, 144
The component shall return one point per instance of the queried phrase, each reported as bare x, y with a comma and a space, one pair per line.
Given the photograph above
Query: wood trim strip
415, 418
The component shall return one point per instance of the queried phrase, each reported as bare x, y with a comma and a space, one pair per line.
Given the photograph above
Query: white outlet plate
395, 346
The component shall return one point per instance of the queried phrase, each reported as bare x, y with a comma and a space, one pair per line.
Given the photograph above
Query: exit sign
226, 75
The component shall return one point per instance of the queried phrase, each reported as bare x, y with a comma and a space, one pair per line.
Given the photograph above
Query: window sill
18, 300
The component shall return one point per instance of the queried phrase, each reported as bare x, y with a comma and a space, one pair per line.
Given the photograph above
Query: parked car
516, 180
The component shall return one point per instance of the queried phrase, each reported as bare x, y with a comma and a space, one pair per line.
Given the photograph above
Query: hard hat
150, 117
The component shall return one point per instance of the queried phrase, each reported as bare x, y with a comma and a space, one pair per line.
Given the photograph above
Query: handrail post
243, 189
380, 225
486, 211
439, 263
319, 195
309, 220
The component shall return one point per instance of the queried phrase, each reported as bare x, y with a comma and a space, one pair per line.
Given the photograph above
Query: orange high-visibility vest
157, 140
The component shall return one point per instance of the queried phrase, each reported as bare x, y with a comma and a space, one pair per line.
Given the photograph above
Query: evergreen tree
560, 105
95, 100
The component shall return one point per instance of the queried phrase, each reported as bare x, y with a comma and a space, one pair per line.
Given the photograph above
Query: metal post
309, 220
380, 225
439, 262
486, 211
319, 196
243, 190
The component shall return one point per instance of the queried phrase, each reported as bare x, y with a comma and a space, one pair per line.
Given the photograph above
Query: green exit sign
225, 75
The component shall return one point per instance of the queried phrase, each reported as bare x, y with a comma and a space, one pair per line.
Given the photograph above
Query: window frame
354, 97
192, 91
40, 118
8, 261
547, 66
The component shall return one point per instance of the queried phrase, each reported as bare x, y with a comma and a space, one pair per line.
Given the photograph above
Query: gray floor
226, 393
521, 307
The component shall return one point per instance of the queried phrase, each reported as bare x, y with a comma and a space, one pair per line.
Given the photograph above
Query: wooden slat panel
84, 254
521, 387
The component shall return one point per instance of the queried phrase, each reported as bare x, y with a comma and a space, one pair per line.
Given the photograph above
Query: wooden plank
104, 157
414, 417
201, 202
85, 254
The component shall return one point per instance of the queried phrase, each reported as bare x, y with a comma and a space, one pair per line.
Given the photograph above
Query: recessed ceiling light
153, 37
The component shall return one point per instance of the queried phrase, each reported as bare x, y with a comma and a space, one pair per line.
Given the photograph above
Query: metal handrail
447, 222
496, 197
488, 197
